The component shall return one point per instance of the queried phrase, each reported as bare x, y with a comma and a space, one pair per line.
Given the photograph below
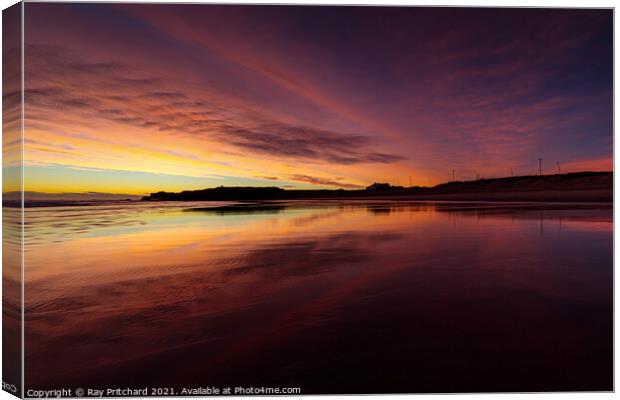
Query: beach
327, 296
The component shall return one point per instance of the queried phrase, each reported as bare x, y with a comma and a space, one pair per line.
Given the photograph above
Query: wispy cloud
323, 181
90, 91
305, 143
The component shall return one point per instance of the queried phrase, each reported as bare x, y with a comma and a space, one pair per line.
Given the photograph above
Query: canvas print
291, 200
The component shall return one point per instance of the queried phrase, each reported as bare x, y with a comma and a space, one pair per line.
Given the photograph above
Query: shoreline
601, 197
548, 196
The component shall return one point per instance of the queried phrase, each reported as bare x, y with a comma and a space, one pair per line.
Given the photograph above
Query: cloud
305, 143
323, 181
59, 80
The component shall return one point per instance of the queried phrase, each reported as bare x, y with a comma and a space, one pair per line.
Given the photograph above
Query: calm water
331, 297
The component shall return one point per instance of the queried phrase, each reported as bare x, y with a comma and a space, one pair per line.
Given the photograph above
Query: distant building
379, 187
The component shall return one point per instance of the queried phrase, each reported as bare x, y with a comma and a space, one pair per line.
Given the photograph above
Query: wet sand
331, 297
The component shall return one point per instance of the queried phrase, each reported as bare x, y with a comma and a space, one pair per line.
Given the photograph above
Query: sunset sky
139, 98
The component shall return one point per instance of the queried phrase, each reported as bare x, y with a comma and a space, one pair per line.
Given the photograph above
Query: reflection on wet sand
338, 297
11, 297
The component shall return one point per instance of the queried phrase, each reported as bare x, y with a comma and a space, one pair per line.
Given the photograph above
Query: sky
138, 98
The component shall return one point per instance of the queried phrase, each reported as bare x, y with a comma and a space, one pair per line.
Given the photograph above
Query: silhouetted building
379, 187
